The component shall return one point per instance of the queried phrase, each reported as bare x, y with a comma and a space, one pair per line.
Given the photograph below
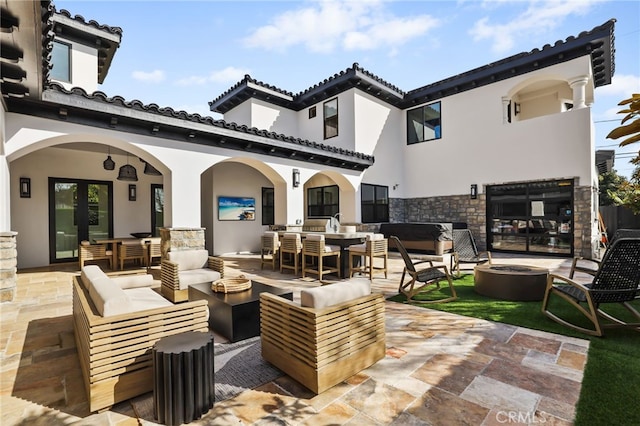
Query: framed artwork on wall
236, 208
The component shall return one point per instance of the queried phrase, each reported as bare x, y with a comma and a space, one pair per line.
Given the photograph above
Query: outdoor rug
238, 366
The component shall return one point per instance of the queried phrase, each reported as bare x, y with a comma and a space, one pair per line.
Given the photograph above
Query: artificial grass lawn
610, 392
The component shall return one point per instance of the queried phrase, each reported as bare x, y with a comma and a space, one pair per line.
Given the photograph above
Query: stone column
176, 239
505, 110
8, 265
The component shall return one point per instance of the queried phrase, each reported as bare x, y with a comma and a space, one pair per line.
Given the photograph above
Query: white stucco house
507, 148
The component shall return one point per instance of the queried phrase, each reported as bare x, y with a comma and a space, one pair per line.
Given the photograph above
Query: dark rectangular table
236, 316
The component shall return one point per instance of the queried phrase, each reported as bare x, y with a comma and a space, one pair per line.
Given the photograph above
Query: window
374, 203
61, 61
268, 204
323, 201
424, 123
312, 112
331, 118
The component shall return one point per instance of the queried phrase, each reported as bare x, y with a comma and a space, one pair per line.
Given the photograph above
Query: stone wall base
8, 266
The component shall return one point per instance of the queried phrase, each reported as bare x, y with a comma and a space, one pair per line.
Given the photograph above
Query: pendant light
109, 164
150, 170
128, 172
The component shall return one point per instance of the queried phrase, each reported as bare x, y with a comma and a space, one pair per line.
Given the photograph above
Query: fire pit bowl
511, 282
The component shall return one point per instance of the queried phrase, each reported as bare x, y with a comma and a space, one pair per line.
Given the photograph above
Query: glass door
78, 210
157, 208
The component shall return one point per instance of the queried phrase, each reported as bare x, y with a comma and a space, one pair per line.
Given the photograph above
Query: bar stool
290, 249
376, 246
270, 248
314, 247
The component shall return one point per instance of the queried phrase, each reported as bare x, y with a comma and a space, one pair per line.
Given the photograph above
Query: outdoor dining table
341, 239
114, 247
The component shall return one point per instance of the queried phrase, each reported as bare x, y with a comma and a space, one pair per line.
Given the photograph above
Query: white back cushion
134, 281
334, 294
189, 259
90, 273
108, 298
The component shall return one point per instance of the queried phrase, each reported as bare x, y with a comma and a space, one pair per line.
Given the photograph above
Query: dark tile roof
599, 43
99, 110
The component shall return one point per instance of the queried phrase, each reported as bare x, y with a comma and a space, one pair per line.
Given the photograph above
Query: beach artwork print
236, 208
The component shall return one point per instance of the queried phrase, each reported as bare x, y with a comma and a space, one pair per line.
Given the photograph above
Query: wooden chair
290, 251
321, 347
314, 252
154, 250
421, 279
92, 252
466, 251
131, 250
270, 249
376, 246
617, 280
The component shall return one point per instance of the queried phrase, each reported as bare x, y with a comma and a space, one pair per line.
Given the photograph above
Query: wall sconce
132, 192
516, 108
25, 187
474, 191
296, 178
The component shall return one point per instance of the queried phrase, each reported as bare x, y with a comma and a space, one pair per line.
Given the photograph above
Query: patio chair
421, 279
466, 251
131, 250
617, 280
269, 249
314, 252
92, 252
590, 265
290, 248
154, 247
376, 246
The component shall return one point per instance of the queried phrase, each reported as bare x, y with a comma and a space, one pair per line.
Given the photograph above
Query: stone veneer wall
8, 266
176, 239
461, 208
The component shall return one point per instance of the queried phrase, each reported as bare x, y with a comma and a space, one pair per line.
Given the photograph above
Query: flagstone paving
439, 369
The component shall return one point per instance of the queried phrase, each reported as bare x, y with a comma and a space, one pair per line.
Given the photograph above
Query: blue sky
184, 54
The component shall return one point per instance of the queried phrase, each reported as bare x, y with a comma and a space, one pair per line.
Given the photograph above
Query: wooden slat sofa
324, 345
116, 323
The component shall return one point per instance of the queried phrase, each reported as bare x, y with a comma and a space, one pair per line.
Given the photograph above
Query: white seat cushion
334, 294
145, 298
108, 298
330, 248
196, 276
358, 248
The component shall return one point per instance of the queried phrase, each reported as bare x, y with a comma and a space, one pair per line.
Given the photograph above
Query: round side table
183, 382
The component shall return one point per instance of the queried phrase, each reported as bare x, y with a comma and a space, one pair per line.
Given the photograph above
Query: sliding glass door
78, 210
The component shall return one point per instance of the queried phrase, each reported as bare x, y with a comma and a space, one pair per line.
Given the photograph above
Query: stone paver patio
440, 369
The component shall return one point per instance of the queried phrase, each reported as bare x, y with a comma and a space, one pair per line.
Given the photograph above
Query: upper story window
61, 61
312, 112
424, 123
331, 118
374, 203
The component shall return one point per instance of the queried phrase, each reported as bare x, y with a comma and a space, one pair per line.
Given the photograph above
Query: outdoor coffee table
511, 282
235, 316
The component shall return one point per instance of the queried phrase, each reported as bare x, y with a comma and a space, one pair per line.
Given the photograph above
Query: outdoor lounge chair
616, 281
92, 252
466, 251
589, 265
421, 279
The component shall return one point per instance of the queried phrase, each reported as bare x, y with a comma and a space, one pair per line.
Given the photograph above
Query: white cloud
155, 76
324, 26
228, 75
540, 17
622, 86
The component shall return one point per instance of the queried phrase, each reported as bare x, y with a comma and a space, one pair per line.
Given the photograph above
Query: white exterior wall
84, 67
273, 118
240, 114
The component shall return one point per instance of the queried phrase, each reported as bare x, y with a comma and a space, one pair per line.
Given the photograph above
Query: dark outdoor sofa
428, 237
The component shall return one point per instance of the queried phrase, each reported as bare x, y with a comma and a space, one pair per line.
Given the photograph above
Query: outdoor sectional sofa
116, 323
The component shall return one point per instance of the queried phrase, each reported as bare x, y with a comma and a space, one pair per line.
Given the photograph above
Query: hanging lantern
109, 164
128, 172
150, 170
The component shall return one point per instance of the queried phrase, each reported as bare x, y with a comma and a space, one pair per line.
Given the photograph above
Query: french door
78, 210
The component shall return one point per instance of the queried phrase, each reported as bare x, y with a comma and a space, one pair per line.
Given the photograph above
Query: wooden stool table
183, 383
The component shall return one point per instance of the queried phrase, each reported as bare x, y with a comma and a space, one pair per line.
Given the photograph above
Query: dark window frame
312, 112
328, 121
268, 206
324, 208
379, 209
437, 128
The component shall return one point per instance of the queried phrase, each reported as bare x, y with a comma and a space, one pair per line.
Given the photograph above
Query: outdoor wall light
132, 192
516, 108
474, 191
25, 187
296, 178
